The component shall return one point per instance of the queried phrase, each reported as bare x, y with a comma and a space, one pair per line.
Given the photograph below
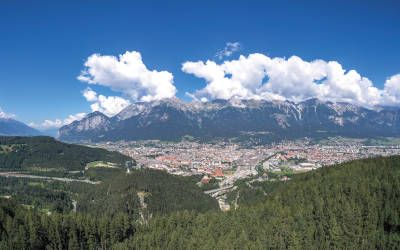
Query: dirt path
143, 215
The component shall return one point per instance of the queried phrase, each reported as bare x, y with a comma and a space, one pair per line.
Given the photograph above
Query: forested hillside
55, 177
350, 206
161, 193
42, 152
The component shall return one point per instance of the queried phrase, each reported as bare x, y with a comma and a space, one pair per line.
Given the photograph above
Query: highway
218, 189
22, 175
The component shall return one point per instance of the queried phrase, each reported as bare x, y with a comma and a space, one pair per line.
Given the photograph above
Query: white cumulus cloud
230, 48
57, 123
72, 118
90, 95
258, 76
392, 90
129, 75
5, 115
108, 105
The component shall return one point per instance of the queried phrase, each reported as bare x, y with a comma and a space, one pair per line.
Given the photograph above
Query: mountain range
9, 126
173, 119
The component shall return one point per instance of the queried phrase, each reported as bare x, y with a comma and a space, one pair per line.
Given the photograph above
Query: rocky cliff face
94, 125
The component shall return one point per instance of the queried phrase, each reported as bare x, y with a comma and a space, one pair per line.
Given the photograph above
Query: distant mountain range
9, 126
172, 119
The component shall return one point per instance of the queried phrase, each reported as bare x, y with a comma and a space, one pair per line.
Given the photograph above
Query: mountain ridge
172, 119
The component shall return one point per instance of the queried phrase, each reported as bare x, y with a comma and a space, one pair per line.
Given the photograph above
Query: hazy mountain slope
10, 126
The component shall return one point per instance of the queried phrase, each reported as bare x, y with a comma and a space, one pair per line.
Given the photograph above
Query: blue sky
44, 44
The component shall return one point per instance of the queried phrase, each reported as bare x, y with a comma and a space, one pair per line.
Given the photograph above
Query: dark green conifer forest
354, 205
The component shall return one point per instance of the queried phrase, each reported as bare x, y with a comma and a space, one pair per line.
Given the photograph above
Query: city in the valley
223, 163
